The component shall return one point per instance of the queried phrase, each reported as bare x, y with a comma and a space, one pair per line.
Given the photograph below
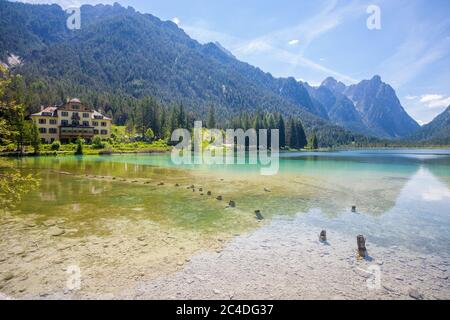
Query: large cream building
69, 121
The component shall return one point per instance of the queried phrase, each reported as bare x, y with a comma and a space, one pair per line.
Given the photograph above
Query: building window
103, 124
75, 107
95, 124
86, 123
104, 131
64, 123
64, 114
95, 131
53, 121
42, 130
52, 130
85, 115
42, 121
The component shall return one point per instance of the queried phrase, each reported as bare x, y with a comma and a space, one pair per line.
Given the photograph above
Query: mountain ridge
129, 54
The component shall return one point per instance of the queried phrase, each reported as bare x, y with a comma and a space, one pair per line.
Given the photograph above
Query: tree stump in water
361, 242
353, 208
323, 236
258, 214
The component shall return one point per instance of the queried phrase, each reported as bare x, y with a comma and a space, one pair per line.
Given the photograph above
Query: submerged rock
220, 198
8, 276
323, 236
266, 190
232, 204
209, 193
55, 231
413, 293
49, 223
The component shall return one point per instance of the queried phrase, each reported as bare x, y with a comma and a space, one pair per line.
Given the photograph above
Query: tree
149, 135
293, 142
79, 147
301, 136
14, 127
35, 140
97, 143
281, 127
313, 143
211, 120
13, 185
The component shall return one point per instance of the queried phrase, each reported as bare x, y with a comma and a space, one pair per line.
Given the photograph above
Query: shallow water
402, 196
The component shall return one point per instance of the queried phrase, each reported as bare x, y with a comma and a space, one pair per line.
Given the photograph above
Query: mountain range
122, 54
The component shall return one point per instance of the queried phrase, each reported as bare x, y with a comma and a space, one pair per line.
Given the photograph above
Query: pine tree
211, 120
313, 143
301, 136
282, 130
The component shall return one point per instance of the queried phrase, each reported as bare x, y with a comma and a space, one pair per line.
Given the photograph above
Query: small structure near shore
323, 236
361, 242
258, 215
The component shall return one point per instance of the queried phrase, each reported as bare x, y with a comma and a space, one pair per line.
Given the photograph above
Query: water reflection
401, 196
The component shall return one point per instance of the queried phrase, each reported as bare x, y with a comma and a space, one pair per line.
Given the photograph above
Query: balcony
76, 131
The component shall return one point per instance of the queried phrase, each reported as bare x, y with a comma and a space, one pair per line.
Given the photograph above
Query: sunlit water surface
402, 196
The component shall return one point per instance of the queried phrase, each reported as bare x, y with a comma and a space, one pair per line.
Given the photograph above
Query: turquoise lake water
402, 196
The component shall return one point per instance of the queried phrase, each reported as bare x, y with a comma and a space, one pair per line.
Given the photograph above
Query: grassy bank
89, 149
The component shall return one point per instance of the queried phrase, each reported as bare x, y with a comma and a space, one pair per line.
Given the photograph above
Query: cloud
175, 20
293, 42
411, 97
435, 100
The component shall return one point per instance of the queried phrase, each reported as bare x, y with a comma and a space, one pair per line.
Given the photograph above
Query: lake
402, 199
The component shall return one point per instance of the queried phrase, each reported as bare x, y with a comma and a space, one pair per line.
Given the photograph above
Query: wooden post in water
323, 236
258, 214
353, 208
361, 242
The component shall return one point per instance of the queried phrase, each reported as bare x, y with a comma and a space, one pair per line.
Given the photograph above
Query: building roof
52, 112
47, 112
75, 100
98, 114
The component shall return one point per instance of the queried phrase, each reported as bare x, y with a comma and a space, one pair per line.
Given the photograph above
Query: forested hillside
121, 59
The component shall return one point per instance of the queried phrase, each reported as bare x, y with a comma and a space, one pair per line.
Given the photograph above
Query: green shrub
97, 143
79, 146
55, 146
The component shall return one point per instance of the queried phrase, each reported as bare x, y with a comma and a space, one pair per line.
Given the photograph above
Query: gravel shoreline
285, 260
